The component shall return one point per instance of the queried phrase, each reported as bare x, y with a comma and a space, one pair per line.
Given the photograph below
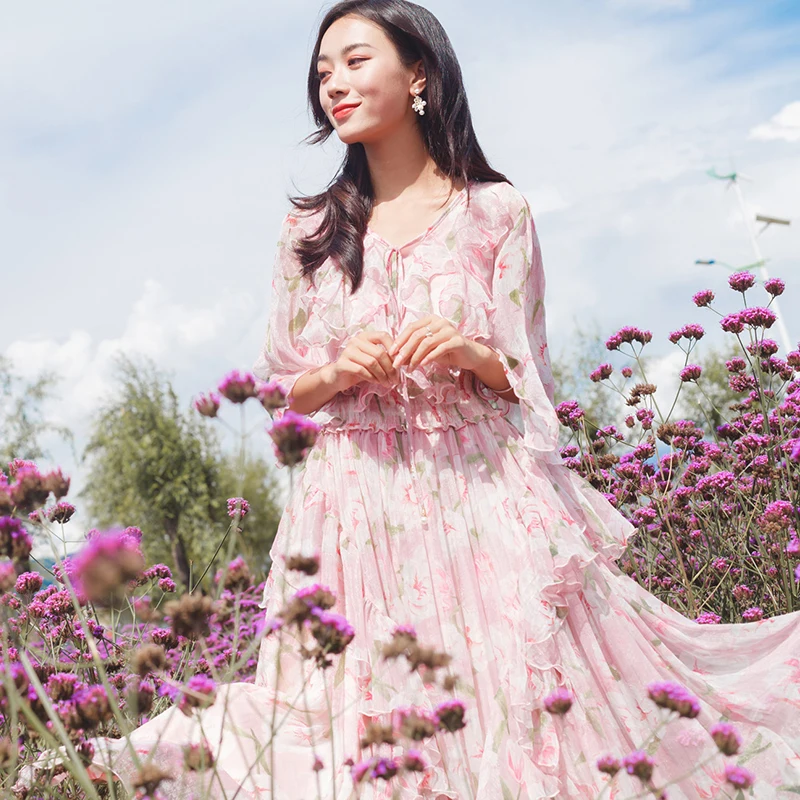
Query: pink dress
436, 503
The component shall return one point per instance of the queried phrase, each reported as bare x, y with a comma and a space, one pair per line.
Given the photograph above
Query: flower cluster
722, 483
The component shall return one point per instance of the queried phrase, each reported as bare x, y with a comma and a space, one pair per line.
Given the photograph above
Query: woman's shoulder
500, 201
300, 223
500, 196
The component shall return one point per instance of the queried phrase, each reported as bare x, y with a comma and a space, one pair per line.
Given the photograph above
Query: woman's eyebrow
345, 50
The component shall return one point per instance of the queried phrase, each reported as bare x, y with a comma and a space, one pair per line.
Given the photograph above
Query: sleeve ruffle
519, 334
283, 357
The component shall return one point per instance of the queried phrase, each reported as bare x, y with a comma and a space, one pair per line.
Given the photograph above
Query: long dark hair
446, 129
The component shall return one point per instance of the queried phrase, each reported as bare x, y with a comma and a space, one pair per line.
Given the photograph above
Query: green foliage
255, 480
157, 467
160, 467
22, 424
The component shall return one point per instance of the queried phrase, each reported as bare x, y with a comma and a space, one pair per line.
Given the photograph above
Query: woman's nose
336, 84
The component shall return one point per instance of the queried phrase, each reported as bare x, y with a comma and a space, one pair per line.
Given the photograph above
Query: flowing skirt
506, 562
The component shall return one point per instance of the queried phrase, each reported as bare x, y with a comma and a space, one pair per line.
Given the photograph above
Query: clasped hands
372, 355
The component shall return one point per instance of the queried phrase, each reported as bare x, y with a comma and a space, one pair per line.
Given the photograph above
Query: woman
407, 319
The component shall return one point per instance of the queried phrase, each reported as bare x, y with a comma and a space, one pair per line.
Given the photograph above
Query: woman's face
365, 89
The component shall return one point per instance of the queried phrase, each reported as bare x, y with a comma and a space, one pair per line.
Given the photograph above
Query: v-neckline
450, 206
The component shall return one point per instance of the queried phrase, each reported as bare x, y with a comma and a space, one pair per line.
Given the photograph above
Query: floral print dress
438, 504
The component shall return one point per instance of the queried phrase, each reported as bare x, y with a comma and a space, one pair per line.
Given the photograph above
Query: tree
153, 466
22, 423
161, 468
254, 480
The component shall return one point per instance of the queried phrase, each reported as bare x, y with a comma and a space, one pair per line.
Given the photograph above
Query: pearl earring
419, 104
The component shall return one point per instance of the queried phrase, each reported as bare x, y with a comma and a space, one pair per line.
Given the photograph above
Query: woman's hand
365, 357
447, 346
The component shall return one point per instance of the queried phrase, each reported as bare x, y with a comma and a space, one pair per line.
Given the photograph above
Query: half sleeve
283, 358
519, 335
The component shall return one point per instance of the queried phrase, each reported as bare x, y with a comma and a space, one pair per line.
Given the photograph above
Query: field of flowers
105, 641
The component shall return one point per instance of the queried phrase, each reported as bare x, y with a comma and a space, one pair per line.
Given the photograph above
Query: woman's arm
313, 389
492, 374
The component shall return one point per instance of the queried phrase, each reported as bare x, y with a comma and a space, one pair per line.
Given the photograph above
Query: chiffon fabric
438, 504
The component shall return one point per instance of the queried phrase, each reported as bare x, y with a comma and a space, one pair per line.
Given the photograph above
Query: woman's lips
344, 111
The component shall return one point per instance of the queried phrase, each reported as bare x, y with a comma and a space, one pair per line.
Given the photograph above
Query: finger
356, 369
409, 348
378, 361
425, 346
386, 362
408, 332
380, 337
443, 349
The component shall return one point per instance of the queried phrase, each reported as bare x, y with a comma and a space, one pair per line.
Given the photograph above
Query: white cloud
785, 125
171, 333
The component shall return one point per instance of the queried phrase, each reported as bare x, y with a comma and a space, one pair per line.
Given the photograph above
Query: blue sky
146, 151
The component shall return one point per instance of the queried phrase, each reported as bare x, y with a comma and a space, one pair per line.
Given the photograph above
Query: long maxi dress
438, 504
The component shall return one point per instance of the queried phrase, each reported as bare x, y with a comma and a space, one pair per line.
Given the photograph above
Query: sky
147, 150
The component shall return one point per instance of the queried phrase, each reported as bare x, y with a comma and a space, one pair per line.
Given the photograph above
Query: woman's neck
400, 165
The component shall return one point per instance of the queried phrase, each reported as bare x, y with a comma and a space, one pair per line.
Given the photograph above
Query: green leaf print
507, 794
298, 323
498, 736
753, 749
516, 297
513, 363
339, 677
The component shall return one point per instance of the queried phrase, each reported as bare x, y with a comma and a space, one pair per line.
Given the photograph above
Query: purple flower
601, 373
293, 436
608, 764
726, 738
558, 701
628, 335
753, 614
207, 405
708, 618
691, 372
626, 372
774, 286
238, 506
271, 395
741, 281
15, 543
450, 715
736, 364
61, 512
238, 387
569, 414
413, 760
107, 564
199, 692
638, 763
28, 583
763, 348
703, 298
667, 694
739, 776
690, 331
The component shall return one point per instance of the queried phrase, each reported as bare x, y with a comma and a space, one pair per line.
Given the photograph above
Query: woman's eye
322, 75
355, 61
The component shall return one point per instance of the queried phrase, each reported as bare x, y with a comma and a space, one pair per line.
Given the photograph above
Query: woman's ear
419, 80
